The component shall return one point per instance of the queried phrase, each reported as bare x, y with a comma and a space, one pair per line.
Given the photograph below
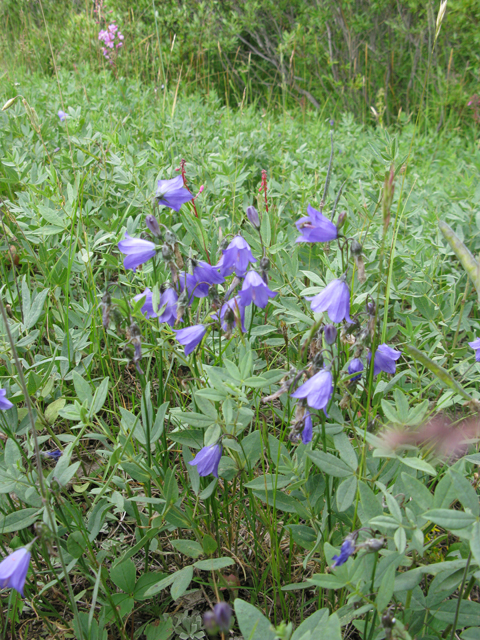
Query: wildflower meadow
240, 365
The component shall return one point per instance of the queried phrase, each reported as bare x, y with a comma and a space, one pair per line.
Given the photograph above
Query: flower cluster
112, 39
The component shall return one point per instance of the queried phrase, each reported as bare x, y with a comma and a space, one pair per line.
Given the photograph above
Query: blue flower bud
252, 215
330, 333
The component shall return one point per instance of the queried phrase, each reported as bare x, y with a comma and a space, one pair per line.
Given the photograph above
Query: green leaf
123, 576
417, 491
159, 630
18, 520
188, 547
76, 544
209, 544
82, 389
466, 493
475, 542
449, 518
35, 310
253, 624
161, 584
419, 464
181, 582
327, 581
441, 373
314, 624
469, 263
51, 412
346, 493
329, 464
385, 592
213, 564
99, 397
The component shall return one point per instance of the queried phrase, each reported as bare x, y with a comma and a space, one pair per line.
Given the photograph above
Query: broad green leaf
188, 547
181, 582
213, 564
329, 464
449, 518
253, 624
123, 576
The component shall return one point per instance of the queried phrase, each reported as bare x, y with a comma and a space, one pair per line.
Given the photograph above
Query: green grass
129, 514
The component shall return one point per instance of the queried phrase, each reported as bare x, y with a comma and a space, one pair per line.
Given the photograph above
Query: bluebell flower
147, 308
476, 346
55, 455
355, 366
153, 226
307, 433
384, 360
172, 193
330, 333
207, 460
236, 257
252, 215
169, 298
255, 290
137, 250
5, 403
346, 550
316, 227
232, 312
204, 275
335, 299
62, 115
223, 616
317, 390
190, 337
14, 568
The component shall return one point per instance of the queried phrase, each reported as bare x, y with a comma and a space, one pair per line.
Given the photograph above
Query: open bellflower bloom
169, 298
147, 308
307, 433
5, 403
190, 337
335, 299
137, 251
172, 193
476, 346
232, 312
62, 115
384, 360
316, 227
204, 275
14, 568
207, 460
236, 257
355, 366
346, 550
317, 390
255, 290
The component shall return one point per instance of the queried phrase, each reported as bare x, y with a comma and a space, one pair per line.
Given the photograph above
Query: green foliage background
332, 55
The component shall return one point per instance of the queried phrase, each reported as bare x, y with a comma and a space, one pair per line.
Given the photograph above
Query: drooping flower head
384, 360
207, 460
355, 366
317, 390
172, 193
223, 616
147, 308
204, 275
330, 333
153, 226
5, 403
335, 299
232, 312
252, 215
54, 455
307, 433
14, 568
168, 299
137, 251
476, 346
190, 337
346, 550
255, 290
316, 227
62, 115
236, 257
